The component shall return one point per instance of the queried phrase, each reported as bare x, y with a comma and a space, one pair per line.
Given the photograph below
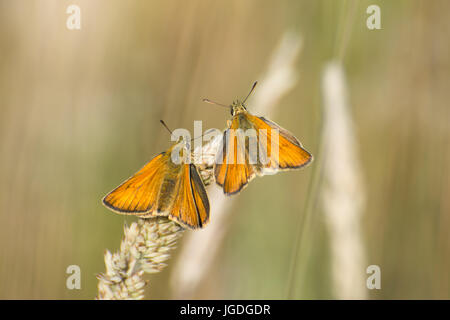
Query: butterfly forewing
232, 169
289, 154
220, 167
139, 193
191, 205
200, 195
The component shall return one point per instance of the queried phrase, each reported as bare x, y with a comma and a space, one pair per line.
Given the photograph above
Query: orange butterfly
236, 164
164, 188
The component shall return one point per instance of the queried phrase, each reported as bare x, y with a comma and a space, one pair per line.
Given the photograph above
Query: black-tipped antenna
165, 125
216, 103
251, 90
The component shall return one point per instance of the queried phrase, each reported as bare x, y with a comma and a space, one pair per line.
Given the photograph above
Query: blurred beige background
80, 110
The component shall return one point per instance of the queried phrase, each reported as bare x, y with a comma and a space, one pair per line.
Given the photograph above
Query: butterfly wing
232, 169
289, 153
163, 189
191, 206
139, 194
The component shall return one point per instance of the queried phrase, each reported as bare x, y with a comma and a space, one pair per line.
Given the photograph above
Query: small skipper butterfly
164, 188
235, 166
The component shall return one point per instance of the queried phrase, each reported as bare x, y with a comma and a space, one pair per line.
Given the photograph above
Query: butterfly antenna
216, 103
165, 125
251, 90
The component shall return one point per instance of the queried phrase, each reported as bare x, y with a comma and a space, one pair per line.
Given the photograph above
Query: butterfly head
184, 143
237, 107
180, 151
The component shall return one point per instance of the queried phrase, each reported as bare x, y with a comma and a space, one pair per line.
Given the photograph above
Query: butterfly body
163, 188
